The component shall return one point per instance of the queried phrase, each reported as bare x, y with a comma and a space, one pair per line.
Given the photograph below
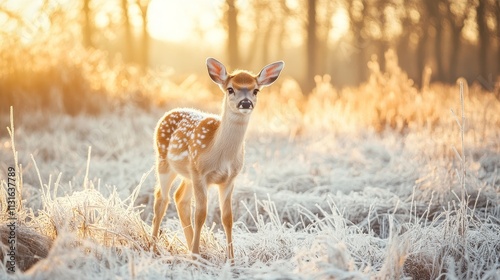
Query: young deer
207, 149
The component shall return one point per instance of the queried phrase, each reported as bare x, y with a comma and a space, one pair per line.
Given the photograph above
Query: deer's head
242, 87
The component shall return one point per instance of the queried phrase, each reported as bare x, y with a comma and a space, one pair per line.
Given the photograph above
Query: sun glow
340, 25
31, 19
181, 21
169, 20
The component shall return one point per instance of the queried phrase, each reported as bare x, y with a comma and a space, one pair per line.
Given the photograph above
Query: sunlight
340, 25
183, 21
169, 20
32, 20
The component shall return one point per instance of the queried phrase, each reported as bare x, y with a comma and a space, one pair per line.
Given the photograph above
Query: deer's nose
245, 104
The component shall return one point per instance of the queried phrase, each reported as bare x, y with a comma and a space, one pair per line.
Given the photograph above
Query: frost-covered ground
310, 203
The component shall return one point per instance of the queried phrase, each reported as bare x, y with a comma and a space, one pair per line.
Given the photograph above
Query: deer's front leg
200, 195
225, 195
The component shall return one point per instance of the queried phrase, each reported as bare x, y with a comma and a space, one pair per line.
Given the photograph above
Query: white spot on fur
177, 157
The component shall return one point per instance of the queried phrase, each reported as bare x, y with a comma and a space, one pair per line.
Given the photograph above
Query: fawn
206, 149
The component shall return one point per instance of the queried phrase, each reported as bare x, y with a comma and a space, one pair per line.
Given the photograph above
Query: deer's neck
230, 136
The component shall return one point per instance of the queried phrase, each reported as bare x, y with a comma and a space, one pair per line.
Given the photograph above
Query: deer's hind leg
200, 195
183, 197
165, 177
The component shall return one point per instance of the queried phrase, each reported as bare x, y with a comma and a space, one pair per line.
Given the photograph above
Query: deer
206, 149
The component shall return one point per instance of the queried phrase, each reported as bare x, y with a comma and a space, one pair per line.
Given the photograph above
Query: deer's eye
255, 91
230, 90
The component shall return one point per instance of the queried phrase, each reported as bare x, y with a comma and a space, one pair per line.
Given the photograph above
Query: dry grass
343, 207
390, 100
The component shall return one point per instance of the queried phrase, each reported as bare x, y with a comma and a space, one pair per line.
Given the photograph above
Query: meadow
387, 180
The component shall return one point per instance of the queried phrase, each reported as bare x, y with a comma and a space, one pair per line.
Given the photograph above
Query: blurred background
67, 50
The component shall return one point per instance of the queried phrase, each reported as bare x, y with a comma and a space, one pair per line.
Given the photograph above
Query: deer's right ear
216, 70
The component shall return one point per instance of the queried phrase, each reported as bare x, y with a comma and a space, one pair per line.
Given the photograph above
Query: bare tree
434, 14
267, 15
258, 8
311, 47
269, 19
144, 57
128, 49
357, 12
497, 16
324, 14
410, 29
87, 24
483, 37
231, 18
456, 17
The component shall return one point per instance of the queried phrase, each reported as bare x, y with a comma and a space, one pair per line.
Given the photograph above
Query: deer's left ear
270, 73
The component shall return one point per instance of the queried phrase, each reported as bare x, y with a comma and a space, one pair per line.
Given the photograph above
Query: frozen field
311, 202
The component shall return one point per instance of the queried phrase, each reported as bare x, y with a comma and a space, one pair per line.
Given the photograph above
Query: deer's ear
270, 73
216, 70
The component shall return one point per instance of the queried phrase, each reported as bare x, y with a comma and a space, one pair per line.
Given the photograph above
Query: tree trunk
144, 52
455, 50
402, 48
382, 45
323, 51
360, 58
232, 34
311, 46
497, 14
483, 37
87, 24
127, 50
421, 52
438, 51
360, 45
436, 17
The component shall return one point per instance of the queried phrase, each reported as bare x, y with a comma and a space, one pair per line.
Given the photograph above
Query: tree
497, 16
357, 12
267, 13
423, 29
231, 17
128, 49
434, 13
144, 57
456, 16
311, 46
410, 28
87, 24
383, 40
483, 37
323, 27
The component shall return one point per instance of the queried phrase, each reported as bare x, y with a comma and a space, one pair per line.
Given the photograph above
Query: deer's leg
183, 203
165, 177
200, 194
225, 195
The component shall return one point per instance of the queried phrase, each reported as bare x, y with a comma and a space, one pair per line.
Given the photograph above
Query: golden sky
173, 21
